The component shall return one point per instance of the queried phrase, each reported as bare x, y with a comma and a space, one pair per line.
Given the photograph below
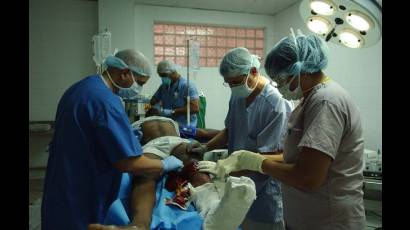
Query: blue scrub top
260, 127
92, 132
175, 97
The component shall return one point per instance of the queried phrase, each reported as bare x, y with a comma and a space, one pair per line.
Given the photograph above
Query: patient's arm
139, 165
206, 133
143, 192
218, 141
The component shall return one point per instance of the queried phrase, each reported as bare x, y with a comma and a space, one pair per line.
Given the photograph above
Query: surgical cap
296, 55
238, 61
131, 59
166, 67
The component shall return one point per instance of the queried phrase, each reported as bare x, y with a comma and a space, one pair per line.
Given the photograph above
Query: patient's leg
142, 203
143, 193
143, 198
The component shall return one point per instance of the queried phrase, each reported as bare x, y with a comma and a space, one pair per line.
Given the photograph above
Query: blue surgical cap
167, 67
130, 59
238, 61
296, 55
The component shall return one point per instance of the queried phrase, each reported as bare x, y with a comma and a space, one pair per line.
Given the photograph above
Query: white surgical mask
119, 87
132, 92
296, 94
242, 91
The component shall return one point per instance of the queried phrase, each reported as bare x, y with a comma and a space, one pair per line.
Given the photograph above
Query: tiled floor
37, 165
37, 162
373, 207
373, 220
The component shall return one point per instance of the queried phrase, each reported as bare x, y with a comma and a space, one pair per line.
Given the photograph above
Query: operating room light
318, 25
322, 7
348, 23
350, 39
358, 21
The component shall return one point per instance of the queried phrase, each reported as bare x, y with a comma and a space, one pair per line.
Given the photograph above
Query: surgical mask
296, 94
131, 92
166, 81
119, 87
242, 91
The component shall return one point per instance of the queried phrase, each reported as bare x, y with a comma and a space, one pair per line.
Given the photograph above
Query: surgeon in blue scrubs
93, 146
171, 97
256, 120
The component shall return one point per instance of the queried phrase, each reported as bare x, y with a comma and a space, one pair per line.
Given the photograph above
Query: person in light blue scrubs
93, 147
171, 97
321, 168
256, 121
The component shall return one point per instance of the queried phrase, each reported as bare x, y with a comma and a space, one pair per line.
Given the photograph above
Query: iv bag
101, 47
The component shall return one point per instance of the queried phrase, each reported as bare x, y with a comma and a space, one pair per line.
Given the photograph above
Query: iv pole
188, 107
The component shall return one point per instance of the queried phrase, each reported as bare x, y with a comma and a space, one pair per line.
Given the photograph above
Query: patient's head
152, 112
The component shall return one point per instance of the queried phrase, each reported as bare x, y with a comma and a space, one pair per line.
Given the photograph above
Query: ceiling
269, 7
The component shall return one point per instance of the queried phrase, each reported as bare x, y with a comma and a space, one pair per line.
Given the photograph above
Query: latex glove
171, 163
207, 167
248, 160
166, 112
196, 147
188, 130
237, 161
192, 190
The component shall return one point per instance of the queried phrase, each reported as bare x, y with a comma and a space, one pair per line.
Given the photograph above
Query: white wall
359, 71
60, 51
118, 16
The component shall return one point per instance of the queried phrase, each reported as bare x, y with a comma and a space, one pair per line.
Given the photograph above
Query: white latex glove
237, 161
207, 167
192, 191
249, 160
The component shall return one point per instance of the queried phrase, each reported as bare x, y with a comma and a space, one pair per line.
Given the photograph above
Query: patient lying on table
222, 204
201, 134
